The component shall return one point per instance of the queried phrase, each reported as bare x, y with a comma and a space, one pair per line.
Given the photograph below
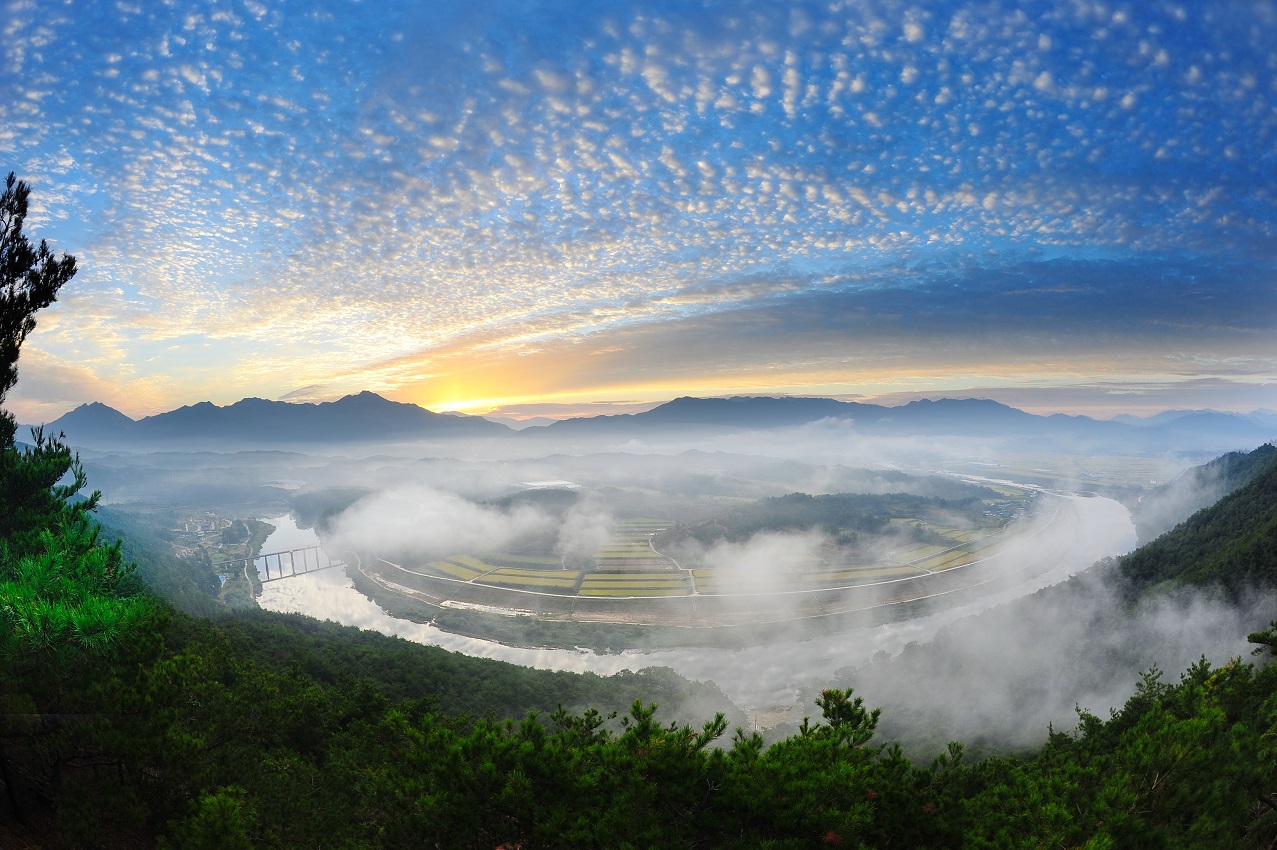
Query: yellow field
627, 566
455, 570
517, 578
632, 591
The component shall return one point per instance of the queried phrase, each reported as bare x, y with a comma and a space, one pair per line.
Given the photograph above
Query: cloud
1002, 670
432, 522
274, 182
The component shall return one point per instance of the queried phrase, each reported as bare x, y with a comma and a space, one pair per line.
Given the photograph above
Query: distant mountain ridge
943, 417
354, 418
368, 417
774, 412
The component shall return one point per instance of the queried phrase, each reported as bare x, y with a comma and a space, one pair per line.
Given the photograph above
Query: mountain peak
94, 417
94, 411
365, 397
968, 403
961, 407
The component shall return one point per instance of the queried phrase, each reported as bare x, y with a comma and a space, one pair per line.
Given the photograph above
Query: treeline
1165, 506
997, 679
841, 516
453, 683
189, 584
1231, 546
202, 749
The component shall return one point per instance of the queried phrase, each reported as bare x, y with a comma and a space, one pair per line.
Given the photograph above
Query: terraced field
630, 548
546, 581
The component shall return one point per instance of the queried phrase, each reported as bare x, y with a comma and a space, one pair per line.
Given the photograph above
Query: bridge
275, 566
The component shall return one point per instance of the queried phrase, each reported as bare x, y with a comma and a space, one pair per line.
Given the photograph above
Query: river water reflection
763, 676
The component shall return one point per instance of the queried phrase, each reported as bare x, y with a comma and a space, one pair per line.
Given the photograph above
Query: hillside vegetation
1231, 546
845, 517
196, 733
1164, 507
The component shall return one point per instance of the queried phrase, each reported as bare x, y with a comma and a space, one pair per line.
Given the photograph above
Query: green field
550, 581
630, 548
452, 570
627, 564
508, 559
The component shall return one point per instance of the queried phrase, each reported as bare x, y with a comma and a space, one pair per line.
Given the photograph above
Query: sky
556, 207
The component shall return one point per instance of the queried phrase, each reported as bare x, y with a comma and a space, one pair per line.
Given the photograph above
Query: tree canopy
30, 278
65, 602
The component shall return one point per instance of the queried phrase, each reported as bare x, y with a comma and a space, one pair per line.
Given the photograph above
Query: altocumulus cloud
271, 179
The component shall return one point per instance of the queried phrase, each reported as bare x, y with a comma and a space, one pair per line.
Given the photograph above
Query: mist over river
762, 676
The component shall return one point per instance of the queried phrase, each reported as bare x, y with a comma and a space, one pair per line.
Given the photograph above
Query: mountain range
368, 417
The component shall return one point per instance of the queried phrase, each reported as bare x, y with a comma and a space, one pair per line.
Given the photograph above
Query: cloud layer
439, 202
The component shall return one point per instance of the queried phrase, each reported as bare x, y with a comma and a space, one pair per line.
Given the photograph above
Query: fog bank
776, 675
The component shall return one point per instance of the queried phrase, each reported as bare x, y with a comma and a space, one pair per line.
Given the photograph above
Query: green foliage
38, 482
841, 515
30, 278
1178, 766
1160, 509
68, 609
277, 731
189, 584
237, 532
456, 683
223, 820
1231, 545
222, 752
63, 597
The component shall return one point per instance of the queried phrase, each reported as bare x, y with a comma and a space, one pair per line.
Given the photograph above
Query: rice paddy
629, 566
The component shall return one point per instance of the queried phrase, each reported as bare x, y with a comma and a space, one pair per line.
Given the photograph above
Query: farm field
629, 570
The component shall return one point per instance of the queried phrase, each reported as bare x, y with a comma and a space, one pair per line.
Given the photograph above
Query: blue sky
565, 206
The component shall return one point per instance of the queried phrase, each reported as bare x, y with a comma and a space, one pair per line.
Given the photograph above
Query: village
218, 538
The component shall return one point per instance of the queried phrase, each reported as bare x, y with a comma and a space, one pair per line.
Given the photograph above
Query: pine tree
63, 599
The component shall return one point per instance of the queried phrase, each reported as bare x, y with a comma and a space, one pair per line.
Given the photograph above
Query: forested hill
1165, 506
1231, 544
844, 517
450, 682
998, 679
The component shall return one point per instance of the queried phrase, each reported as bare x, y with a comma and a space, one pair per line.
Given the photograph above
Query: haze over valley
498, 541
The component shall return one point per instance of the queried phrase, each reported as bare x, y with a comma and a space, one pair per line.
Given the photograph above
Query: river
757, 677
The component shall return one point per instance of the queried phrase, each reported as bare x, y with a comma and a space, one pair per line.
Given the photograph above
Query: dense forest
126, 722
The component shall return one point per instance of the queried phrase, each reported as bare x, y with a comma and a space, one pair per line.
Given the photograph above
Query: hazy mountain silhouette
253, 421
96, 418
713, 413
368, 417
750, 412
1208, 430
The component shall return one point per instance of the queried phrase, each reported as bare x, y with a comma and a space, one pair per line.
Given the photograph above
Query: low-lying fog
767, 676
1000, 677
